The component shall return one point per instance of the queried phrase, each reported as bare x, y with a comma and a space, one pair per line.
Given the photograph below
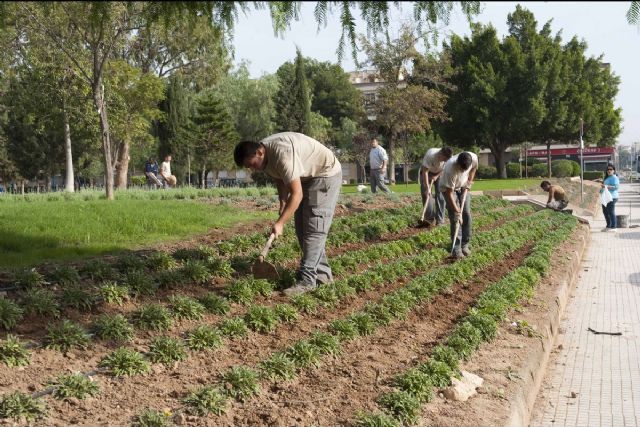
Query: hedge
593, 175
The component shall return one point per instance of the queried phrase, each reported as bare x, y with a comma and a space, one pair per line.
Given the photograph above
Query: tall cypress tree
293, 102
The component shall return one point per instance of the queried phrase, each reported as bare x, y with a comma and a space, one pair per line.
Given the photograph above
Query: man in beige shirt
308, 177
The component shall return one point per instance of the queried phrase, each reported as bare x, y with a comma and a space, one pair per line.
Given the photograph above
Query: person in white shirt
378, 159
165, 172
457, 178
430, 171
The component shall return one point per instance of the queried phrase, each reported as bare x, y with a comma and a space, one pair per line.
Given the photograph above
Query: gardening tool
262, 269
422, 222
455, 234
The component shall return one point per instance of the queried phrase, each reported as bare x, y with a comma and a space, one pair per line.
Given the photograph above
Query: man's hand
458, 216
469, 184
277, 229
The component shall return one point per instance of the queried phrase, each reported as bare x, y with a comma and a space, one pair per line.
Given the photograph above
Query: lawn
31, 232
479, 185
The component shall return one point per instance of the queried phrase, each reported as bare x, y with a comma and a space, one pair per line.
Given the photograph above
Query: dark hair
544, 184
447, 152
243, 150
464, 160
612, 167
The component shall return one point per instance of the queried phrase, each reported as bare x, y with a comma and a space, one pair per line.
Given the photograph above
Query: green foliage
416, 383
168, 279
130, 262
65, 275
114, 327
28, 278
439, 373
204, 337
66, 335
100, 270
325, 343
484, 323
112, 293
140, 283
364, 323
18, 405
206, 400
184, 307
278, 367
41, 302
125, 362
78, 298
241, 383
344, 329
446, 355
232, 328
215, 304
13, 352
73, 385
593, 175
154, 317
376, 420
402, 405
152, 418
196, 271
303, 354
261, 319
563, 168
161, 261
286, 312
293, 103
513, 170
10, 314
539, 170
305, 303
166, 350
241, 291
487, 172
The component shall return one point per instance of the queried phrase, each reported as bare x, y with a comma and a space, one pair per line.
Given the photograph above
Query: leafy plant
41, 302
326, 296
161, 261
402, 405
416, 383
364, 323
73, 385
303, 354
65, 275
286, 312
18, 405
196, 271
112, 293
169, 279
114, 327
344, 329
220, 268
140, 283
184, 307
241, 292
130, 262
241, 383
206, 400
10, 314
13, 352
278, 367
325, 343
305, 303
446, 355
28, 278
124, 362
215, 304
438, 372
204, 337
66, 335
232, 328
166, 350
154, 317
77, 298
100, 270
376, 420
153, 418
261, 319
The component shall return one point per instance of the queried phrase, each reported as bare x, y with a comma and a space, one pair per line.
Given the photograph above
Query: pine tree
293, 102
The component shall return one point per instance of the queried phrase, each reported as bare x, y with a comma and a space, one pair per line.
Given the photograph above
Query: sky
602, 25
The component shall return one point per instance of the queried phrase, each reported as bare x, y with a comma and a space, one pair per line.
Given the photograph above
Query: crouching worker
308, 177
557, 197
457, 177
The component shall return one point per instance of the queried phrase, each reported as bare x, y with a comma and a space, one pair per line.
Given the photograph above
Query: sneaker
439, 223
465, 250
457, 254
612, 230
604, 230
299, 289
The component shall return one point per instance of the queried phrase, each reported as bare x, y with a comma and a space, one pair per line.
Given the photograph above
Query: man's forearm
448, 196
283, 193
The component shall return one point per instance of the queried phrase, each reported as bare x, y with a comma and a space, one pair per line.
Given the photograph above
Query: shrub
513, 170
18, 405
73, 385
41, 302
65, 336
155, 317
166, 350
261, 319
124, 362
206, 400
241, 383
13, 352
112, 293
487, 172
215, 304
278, 367
10, 314
114, 327
562, 168
593, 175
184, 307
204, 337
539, 170
78, 298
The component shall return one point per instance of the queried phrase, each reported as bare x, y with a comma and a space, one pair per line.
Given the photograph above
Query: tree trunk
392, 161
69, 184
549, 158
203, 181
122, 166
98, 100
22, 187
47, 183
498, 154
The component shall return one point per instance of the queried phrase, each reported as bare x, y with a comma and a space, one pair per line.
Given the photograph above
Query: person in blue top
612, 183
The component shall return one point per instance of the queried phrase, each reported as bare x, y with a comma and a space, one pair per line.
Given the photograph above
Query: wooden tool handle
265, 250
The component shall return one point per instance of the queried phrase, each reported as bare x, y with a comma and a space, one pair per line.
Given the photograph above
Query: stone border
534, 368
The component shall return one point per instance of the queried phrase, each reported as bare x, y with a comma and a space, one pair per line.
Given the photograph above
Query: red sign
568, 151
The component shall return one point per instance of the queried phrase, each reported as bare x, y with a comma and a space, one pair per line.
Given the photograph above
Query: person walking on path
308, 177
165, 172
557, 196
151, 171
378, 160
457, 178
611, 183
430, 171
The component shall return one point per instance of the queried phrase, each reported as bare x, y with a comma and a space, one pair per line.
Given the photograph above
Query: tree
633, 13
293, 104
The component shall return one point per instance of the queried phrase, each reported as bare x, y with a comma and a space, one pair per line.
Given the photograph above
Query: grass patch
114, 327
13, 352
153, 418
204, 337
65, 336
478, 185
154, 317
18, 405
167, 350
73, 385
125, 363
241, 383
10, 314
206, 400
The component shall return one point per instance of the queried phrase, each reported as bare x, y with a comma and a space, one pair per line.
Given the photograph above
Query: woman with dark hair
611, 183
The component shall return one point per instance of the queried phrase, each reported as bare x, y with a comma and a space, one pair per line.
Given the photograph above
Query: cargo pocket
320, 220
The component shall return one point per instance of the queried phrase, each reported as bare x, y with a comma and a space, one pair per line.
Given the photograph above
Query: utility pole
581, 161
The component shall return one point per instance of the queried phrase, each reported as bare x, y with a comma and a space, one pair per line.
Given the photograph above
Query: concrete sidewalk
594, 380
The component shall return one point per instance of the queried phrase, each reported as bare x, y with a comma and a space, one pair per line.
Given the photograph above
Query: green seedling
114, 327
66, 335
124, 362
13, 352
73, 386
166, 350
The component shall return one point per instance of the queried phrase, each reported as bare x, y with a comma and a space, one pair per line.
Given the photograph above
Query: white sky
602, 25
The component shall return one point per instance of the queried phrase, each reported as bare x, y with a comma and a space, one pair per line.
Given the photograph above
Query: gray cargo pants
439, 197
464, 232
312, 221
377, 180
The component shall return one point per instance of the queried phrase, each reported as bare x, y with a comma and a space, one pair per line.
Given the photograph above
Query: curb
534, 368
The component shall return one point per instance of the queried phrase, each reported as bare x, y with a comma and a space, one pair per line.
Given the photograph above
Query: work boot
465, 250
457, 254
299, 288
323, 279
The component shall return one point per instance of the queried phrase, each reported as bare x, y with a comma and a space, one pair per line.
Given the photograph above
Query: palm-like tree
633, 13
